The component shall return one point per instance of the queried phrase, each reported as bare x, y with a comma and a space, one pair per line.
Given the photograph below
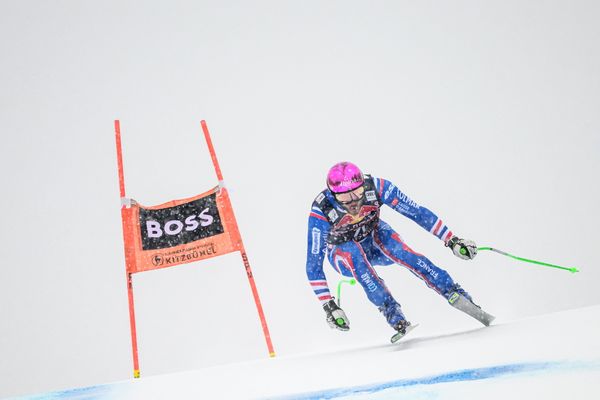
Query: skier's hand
336, 317
465, 249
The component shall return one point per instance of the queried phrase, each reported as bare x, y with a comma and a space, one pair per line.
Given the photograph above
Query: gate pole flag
235, 228
179, 232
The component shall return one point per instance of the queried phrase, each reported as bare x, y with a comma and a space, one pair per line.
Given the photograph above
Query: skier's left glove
465, 249
336, 317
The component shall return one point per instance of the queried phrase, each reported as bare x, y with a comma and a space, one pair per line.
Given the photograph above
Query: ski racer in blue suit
344, 227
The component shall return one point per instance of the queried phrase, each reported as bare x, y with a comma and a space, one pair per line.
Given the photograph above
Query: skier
345, 227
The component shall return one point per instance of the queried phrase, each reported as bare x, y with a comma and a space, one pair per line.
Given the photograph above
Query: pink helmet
344, 177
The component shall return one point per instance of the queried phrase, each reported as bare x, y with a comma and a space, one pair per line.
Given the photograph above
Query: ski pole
573, 270
351, 281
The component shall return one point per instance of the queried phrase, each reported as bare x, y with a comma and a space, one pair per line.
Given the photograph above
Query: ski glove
336, 317
465, 249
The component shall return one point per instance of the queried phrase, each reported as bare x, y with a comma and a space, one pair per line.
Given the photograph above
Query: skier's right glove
465, 249
336, 317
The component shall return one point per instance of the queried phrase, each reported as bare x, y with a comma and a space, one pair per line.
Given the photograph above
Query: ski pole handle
573, 270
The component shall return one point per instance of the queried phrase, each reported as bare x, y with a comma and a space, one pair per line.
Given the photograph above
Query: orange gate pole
124, 219
259, 308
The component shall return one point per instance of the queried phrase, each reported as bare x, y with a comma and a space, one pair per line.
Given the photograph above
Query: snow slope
553, 356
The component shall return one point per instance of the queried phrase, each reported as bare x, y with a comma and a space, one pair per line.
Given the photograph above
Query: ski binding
400, 335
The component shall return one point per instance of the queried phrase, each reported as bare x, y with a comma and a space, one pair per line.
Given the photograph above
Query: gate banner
179, 231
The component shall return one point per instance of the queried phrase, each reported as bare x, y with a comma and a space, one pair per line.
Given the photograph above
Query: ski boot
455, 290
393, 314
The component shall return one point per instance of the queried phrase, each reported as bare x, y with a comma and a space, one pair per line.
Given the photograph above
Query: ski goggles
349, 197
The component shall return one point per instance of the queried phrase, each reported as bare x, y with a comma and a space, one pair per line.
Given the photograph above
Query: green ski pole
351, 281
573, 270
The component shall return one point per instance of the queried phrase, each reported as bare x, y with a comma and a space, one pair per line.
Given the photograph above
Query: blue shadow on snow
454, 376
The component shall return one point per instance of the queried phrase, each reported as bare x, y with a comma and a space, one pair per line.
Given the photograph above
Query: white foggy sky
485, 112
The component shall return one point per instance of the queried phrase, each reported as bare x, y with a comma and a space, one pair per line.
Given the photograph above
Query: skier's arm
394, 198
318, 229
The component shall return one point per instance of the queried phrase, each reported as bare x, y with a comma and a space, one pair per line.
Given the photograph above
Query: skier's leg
394, 248
351, 257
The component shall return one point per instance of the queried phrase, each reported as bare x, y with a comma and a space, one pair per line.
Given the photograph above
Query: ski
400, 335
463, 304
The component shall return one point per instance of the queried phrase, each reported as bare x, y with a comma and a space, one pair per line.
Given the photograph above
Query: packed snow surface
554, 356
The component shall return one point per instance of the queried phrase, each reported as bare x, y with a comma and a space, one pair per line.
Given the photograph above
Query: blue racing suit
354, 246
